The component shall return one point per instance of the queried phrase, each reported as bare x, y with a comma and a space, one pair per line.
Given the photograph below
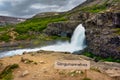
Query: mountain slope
4, 20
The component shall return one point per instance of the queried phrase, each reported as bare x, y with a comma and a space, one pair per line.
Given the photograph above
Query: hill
5, 20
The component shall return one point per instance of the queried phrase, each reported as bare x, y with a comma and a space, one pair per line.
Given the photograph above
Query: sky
28, 8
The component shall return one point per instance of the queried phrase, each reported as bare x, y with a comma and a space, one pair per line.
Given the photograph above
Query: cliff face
64, 29
102, 34
102, 28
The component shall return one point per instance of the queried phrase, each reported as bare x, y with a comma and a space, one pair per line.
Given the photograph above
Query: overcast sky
28, 8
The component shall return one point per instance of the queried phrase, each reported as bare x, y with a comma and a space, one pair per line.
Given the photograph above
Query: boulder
64, 29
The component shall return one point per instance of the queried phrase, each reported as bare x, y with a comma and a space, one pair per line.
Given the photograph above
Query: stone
24, 53
58, 28
42, 62
25, 73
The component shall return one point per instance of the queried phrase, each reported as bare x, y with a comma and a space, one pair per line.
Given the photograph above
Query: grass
109, 59
25, 36
31, 28
6, 74
5, 37
95, 69
37, 24
3, 28
96, 8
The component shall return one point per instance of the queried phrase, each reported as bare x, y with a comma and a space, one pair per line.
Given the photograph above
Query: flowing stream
77, 43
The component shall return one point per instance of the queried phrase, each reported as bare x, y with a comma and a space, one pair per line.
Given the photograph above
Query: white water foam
76, 44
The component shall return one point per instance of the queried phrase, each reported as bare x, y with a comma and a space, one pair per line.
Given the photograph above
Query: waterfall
78, 37
76, 44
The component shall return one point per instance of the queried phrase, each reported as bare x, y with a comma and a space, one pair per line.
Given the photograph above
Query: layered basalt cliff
102, 34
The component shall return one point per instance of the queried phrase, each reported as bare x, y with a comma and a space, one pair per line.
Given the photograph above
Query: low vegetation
117, 31
5, 37
96, 8
6, 74
98, 58
37, 24
30, 29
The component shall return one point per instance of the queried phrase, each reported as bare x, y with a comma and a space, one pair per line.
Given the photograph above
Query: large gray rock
61, 28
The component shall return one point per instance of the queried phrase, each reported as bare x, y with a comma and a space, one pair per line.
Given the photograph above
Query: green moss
59, 38
117, 31
109, 59
6, 74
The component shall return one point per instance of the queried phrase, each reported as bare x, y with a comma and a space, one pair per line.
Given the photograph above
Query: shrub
5, 37
6, 74
24, 37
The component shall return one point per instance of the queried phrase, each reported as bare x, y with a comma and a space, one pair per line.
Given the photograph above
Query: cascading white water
78, 37
76, 44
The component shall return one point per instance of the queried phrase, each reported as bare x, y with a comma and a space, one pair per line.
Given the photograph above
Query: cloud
28, 8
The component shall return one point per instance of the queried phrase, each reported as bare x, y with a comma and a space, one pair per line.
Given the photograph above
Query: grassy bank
6, 74
98, 58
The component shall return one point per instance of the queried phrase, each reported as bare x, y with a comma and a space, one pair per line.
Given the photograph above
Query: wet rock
24, 53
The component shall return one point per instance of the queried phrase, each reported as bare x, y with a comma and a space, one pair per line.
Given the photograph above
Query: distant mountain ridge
4, 20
